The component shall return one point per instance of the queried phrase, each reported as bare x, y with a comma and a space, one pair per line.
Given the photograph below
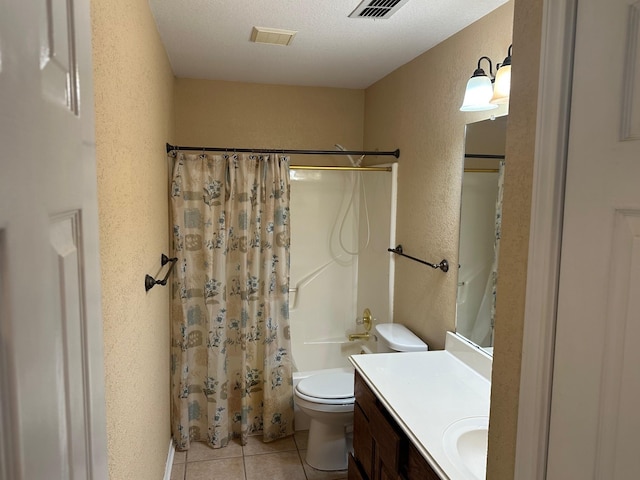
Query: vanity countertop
427, 392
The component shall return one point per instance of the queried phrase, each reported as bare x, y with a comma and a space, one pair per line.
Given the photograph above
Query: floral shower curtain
231, 373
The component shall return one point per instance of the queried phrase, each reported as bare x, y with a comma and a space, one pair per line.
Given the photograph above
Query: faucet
366, 321
358, 336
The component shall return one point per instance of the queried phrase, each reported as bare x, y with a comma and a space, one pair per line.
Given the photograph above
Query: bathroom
140, 106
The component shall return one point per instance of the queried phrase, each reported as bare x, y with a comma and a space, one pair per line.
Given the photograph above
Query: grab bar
150, 282
443, 265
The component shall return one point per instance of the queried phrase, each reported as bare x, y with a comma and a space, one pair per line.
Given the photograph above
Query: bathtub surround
323, 275
341, 223
231, 369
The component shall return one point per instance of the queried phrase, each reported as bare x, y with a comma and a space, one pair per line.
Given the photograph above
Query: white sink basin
465, 443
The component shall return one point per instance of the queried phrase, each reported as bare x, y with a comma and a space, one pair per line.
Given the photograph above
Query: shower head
354, 163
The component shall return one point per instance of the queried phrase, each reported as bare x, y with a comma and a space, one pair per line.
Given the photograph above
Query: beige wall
134, 112
416, 109
514, 246
246, 115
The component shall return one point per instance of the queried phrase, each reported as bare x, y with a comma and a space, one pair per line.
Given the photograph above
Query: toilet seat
327, 389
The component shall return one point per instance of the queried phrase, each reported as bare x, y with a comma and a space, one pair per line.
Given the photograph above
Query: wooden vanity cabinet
381, 451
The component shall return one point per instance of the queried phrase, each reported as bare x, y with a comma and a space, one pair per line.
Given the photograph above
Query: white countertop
426, 392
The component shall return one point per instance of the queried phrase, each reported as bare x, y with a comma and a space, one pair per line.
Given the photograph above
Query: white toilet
327, 398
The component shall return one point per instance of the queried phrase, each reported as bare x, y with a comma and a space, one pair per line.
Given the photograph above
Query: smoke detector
377, 8
272, 36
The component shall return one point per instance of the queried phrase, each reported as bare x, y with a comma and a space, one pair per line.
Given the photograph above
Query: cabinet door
355, 472
387, 438
362, 441
384, 471
416, 467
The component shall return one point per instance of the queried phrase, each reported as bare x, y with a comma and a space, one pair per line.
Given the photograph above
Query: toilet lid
327, 385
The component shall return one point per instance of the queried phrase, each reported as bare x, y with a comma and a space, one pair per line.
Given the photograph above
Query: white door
52, 414
595, 420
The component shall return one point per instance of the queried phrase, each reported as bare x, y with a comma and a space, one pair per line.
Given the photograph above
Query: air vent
377, 8
272, 36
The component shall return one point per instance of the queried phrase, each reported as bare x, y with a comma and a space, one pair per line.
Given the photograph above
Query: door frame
545, 237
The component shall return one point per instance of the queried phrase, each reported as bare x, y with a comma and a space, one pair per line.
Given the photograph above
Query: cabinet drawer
364, 395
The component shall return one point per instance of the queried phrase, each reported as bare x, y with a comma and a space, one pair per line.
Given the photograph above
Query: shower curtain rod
481, 170
346, 169
483, 155
395, 153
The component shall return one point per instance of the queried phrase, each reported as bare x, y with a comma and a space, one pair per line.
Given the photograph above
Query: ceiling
210, 39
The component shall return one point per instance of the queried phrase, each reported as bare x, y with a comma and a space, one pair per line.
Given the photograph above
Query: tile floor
279, 460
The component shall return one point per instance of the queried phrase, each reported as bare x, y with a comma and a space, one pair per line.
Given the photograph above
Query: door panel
598, 320
67, 253
620, 389
57, 53
631, 108
52, 409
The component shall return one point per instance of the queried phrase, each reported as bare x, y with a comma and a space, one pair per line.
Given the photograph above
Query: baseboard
169, 465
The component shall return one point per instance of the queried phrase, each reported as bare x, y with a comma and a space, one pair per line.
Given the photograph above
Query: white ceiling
210, 38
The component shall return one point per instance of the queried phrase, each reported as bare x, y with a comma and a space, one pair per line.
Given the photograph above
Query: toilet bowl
328, 399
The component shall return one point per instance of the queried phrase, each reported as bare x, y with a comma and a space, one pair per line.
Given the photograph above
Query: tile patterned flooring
279, 460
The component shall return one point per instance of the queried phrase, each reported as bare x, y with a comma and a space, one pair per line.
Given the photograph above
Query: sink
465, 444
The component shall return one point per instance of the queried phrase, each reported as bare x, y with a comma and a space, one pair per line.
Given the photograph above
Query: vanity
421, 415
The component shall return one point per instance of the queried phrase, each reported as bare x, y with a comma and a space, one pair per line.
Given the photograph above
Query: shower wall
477, 239
339, 265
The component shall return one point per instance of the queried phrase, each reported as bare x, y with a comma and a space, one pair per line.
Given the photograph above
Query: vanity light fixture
502, 84
479, 90
480, 95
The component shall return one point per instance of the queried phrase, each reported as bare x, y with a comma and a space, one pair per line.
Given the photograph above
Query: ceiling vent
377, 8
272, 36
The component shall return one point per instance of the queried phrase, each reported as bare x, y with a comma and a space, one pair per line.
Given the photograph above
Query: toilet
328, 399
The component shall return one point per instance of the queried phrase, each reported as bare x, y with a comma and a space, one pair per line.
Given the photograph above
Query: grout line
186, 459
244, 464
304, 470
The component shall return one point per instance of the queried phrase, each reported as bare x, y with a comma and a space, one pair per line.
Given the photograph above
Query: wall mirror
480, 221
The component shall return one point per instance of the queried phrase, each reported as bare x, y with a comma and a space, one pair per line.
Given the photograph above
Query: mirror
480, 218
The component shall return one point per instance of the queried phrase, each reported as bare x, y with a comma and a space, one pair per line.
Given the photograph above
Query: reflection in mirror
480, 218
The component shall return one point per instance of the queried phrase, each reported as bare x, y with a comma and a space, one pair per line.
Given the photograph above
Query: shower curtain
231, 372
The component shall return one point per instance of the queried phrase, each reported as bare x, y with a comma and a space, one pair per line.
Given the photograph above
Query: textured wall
246, 115
416, 109
134, 103
514, 247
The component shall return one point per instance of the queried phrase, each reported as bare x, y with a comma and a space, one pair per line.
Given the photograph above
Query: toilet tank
394, 337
